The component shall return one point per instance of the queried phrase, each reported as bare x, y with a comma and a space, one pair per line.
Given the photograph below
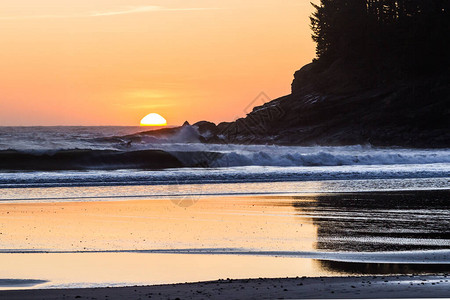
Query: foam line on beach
288, 188
253, 174
401, 257
107, 197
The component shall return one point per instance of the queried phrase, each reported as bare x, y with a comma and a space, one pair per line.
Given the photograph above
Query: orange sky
110, 62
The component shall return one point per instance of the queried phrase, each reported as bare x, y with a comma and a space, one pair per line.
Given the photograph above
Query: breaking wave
327, 156
79, 156
215, 156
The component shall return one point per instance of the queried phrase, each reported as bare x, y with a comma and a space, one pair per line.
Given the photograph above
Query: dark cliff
381, 77
339, 105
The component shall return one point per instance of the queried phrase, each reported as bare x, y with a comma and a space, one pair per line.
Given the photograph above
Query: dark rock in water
205, 127
181, 134
206, 130
157, 133
345, 104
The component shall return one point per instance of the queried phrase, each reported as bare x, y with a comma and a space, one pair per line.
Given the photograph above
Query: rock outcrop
342, 104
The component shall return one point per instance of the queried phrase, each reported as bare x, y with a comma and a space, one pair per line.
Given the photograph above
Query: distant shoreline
426, 286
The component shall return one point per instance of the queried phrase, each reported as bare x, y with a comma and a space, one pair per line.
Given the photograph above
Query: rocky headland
344, 103
381, 76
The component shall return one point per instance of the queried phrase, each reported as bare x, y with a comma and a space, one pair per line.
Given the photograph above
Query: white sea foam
226, 162
318, 156
287, 156
52, 139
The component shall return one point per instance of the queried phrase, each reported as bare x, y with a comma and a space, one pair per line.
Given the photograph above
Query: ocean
128, 208
109, 156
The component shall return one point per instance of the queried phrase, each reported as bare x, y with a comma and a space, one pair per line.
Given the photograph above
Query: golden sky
110, 62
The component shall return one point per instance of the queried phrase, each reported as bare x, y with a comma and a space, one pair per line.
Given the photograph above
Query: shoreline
62, 238
414, 286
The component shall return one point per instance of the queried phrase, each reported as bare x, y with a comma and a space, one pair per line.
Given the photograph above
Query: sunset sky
111, 62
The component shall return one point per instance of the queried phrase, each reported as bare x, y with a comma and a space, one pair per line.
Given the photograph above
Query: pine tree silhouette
407, 37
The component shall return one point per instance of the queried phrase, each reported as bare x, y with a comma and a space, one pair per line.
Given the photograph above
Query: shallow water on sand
147, 241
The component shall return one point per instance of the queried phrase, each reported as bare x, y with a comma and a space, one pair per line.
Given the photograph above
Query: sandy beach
60, 245
280, 288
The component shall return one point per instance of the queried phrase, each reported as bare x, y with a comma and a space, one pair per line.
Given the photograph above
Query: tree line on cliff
400, 37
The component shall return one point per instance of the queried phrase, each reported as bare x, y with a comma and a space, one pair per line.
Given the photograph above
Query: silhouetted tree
409, 36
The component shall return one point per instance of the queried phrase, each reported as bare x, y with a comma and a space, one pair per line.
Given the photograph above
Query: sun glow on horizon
153, 119
113, 62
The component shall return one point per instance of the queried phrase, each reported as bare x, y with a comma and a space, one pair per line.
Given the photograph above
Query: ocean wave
75, 148
322, 158
212, 156
85, 159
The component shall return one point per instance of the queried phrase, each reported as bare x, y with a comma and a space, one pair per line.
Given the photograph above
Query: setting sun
153, 119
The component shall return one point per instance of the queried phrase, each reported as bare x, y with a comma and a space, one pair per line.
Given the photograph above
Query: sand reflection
119, 269
267, 223
244, 223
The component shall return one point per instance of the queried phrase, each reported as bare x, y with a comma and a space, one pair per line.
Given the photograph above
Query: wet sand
284, 288
158, 241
